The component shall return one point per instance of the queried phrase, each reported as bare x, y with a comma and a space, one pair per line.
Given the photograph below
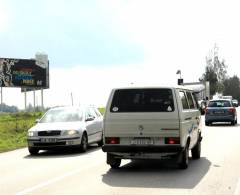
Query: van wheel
84, 143
196, 151
113, 162
183, 164
33, 151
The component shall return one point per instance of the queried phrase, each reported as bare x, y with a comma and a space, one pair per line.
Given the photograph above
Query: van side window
190, 100
195, 100
184, 100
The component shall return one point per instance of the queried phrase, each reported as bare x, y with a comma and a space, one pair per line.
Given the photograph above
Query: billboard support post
42, 99
1, 95
34, 103
25, 100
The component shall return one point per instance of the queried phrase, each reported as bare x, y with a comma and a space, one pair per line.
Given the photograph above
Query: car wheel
206, 123
233, 123
196, 151
33, 151
236, 121
84, 143
183, 164
113, 162
100, 143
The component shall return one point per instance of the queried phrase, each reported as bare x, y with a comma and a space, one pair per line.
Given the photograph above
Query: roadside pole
1, 99
34, 102
1, 95
42, 99
25, 98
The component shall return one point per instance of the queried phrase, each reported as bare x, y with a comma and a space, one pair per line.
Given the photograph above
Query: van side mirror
37, 120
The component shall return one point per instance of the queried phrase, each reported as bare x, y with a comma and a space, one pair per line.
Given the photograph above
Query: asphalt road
217, 172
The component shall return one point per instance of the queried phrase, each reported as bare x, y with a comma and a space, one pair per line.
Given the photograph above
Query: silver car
220, 110
66, 127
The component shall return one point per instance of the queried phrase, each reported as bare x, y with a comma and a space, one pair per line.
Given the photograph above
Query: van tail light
232, 110
172, 140
112, 140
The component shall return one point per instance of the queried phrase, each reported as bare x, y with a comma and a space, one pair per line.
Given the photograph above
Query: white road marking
237, 190
56, 179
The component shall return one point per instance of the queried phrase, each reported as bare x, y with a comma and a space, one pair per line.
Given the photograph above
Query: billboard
23, 73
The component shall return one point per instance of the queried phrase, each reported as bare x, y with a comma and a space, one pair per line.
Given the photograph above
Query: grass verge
13, 129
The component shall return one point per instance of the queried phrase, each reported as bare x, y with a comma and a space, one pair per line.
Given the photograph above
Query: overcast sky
96, 45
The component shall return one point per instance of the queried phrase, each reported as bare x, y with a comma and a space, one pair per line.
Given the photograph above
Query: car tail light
207, 111
232, 110
172, 140
112, 140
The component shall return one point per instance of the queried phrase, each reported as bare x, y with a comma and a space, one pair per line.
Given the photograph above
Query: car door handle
189, 118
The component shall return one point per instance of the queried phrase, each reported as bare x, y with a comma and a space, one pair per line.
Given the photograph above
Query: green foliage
215, 73
13, 129
102, 110
232, 87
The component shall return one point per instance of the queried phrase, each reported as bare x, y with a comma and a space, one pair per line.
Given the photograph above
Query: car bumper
144, 152
228, 118
57, 143
144, 149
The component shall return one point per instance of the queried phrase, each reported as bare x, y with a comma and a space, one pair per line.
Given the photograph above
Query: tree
232, 87
215, 72
6, 108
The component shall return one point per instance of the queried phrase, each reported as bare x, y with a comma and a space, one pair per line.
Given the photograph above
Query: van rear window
142, 100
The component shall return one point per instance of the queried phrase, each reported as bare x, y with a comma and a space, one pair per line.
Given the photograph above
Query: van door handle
189, 118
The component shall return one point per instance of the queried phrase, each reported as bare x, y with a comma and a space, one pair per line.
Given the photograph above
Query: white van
152, 123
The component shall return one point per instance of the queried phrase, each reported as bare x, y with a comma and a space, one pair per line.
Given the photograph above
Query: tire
233, 123
113, 162
236, 121
100, 143
206, 123
84, 143
33, 151
183, 164
196, 150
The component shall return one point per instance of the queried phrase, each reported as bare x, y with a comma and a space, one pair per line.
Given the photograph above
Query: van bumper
144, 149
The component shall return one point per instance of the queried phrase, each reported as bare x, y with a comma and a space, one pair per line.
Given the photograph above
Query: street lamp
179, 72
180, 80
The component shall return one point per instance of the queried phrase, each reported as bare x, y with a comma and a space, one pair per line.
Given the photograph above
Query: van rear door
142, 113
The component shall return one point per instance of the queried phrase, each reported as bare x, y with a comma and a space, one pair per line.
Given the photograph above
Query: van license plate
142, 141
48, 140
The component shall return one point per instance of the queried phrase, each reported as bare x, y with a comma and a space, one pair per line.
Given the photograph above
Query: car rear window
142, 100
219, 104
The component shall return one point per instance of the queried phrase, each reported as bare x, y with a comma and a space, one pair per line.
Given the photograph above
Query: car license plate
219, 112
142, 141
48, 140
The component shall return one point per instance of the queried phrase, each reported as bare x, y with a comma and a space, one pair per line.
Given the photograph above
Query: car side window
97, 112
90, 113
184, 100
190, 100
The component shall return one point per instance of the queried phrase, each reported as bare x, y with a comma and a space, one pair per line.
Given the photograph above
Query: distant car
66, 127
235, 102
220, 111
202, 106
